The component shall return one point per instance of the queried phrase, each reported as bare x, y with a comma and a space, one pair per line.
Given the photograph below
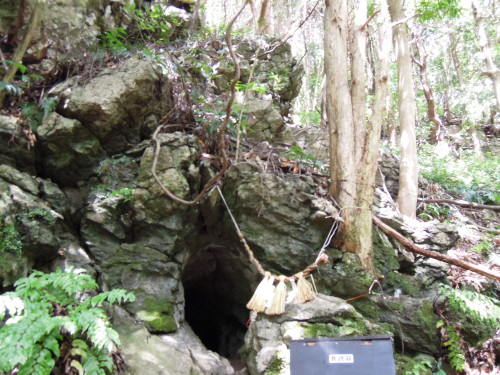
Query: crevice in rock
217, 285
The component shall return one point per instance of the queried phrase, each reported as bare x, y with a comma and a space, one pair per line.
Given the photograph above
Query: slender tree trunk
339, 115
339, 104
432, 115
255, 16
491, 71
371, 143
264, 22
456, 61
21, 48
408, 168
358, 75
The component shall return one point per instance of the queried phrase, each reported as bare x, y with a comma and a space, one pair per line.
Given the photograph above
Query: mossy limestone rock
411, 320
69, 151
14, 147
114, 105
176, 169
179, 353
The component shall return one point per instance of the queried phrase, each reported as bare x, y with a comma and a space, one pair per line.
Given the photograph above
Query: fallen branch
461, 203
409, 245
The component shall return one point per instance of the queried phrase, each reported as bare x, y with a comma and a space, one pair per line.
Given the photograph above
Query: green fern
480, 311
47, 309
478, 307
455, 353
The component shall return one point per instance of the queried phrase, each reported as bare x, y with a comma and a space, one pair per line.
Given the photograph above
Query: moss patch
385, 257
345, 327
158, 316
427, 316
408, 285
276, 365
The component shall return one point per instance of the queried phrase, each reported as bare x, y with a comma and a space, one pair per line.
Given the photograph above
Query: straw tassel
277, 306
304, 289
261, 294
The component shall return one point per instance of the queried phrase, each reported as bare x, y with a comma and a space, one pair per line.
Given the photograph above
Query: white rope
328, 239
228, 210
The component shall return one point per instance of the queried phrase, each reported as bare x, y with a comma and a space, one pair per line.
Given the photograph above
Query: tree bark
353, 172
432, 254
264, 22
340, 120
432, 115
408, 168
358, 76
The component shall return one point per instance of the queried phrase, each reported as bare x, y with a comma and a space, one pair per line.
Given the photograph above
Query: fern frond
43, 305
10, 304
475, 305
92, 366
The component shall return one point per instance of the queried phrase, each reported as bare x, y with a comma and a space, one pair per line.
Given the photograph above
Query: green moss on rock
409, 285
158, 316
427, 316
276, 365
342, 328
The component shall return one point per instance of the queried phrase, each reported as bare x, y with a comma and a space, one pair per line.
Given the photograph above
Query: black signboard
369, 355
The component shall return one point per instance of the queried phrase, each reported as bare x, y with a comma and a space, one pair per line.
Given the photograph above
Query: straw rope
322, 257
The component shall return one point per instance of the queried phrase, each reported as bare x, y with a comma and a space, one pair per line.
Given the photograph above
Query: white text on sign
341, 358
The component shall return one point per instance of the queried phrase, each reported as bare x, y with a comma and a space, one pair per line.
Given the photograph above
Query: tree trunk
456, 61
21, 49
432, 115
358, 76
264, 22
408, 172
353, 172
491, 71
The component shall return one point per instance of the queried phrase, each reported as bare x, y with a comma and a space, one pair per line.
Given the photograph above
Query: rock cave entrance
217, 285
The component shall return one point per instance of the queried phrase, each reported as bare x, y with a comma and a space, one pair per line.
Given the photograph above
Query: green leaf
77, 366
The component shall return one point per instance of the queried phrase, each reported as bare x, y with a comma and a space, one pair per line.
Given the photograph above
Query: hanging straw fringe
270, 299
277, 306
261, 295
305, 291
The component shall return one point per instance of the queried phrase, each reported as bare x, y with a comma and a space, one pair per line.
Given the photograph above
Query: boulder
115, 104
68, 29
266, 206
69, 151
32, 226
180, 353
411, 320
15, 149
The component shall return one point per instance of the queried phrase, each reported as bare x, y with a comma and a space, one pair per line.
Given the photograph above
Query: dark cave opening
217, 285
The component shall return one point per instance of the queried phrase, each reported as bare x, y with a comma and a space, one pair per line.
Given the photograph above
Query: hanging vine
221, 144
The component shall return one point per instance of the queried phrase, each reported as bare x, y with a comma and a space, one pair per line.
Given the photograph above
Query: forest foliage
57, 319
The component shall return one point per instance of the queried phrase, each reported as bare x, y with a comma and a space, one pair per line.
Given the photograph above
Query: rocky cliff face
85, 196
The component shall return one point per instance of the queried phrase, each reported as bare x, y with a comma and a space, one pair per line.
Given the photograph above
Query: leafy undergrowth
463, 176
51, 323
470, 307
